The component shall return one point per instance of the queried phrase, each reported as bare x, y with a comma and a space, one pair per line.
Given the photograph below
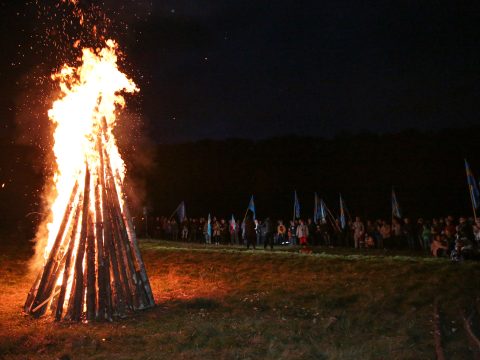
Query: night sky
257, 69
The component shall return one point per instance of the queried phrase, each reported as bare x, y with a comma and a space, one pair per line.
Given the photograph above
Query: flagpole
294, 200
333, 218
246, 212
171, 216
248, 208
471, 200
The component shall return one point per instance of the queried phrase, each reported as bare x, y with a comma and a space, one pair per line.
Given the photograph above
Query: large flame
84, 114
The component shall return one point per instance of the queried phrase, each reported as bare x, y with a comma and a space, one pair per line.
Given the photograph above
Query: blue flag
323, 212
472, 186
209, 226
181, 211
251, 207
343, 221
395, 208
320, 211
296, 207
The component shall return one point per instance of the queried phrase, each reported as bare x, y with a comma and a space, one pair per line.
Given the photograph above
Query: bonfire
92, 267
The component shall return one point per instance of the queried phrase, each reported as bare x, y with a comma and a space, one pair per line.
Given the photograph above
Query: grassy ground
229, 303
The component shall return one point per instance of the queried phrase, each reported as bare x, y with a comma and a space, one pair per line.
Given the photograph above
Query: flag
251, 207
296, 207
320, 212
395, 208
472, 186
233, 224
343, 222
323, 212
209, 226
181, 212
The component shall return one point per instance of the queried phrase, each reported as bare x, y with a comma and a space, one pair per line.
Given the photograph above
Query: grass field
229, 303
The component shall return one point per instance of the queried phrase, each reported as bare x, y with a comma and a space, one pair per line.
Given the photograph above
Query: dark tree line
219, 176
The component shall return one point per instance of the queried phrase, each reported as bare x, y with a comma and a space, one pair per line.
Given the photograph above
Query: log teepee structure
94, 270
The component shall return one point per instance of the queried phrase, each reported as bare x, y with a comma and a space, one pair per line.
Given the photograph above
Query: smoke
137, 151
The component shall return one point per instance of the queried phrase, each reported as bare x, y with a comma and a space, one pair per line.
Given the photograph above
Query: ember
92, 267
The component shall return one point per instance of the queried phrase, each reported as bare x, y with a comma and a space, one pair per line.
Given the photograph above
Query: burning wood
93, 268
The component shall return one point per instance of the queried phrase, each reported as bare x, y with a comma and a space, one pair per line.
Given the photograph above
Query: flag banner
251, 207
209, 226
296, 207
181, 212
233, 224
395, 207
343, 221
472, 186
323, 212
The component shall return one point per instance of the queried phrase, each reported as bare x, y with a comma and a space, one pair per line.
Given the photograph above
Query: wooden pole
473, 202
104, 310
100, 263
68, 263
118, 298
139, 299
91, 271
43, 292
76, 295
132, 237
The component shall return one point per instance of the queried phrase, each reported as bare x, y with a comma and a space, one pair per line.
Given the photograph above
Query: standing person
281, 232
250, 232
217, 232
233, 232
224, 233
397, 231
292, 233
302, 233
318, 235
385, 233
238, 233
244, 235
358, 232
311, 231
268, 234
192, 231
419, 231
325, 238
409, 231
258, 231
207, 231
184, 225
426, 236
174, 227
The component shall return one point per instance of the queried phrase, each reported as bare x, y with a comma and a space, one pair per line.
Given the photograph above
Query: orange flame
85, 112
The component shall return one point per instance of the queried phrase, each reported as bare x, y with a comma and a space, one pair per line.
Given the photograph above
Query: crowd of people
439, 237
